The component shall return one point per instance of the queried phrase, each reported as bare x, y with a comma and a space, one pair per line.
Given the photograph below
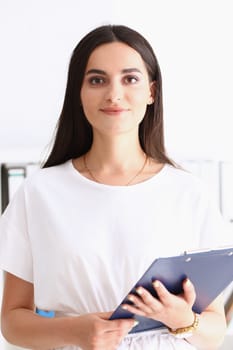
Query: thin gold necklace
127, 184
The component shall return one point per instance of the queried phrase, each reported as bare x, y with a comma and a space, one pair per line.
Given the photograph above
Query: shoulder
183, 176
184, 181
50, 175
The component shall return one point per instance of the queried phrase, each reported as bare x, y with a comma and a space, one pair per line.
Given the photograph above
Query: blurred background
193, 43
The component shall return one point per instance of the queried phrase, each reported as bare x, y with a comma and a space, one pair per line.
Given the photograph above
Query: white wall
37, 38
192, 40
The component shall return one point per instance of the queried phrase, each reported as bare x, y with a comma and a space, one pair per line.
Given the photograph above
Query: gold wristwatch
186, 332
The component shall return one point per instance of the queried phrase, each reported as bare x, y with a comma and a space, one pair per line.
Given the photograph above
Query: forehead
115, 56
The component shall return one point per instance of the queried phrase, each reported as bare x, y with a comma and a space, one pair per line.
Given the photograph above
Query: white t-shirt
84, 245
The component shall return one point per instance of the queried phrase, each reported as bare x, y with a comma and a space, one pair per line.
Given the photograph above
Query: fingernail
130, 297
124, 307
139, 291
135, 323
156, 284
188, 283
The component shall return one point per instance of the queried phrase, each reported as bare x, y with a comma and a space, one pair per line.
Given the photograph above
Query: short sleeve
15, 248
215, 230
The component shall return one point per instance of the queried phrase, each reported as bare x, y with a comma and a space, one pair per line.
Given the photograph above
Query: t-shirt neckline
84, 179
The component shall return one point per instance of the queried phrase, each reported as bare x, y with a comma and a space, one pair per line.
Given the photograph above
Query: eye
96, 80
131, 79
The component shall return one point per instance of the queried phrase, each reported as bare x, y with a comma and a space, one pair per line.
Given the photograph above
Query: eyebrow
102, 72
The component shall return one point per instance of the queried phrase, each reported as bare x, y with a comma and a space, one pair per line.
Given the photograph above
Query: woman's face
116, 89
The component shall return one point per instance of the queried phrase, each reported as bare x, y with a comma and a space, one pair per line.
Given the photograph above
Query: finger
153, 303
133, 310
138, 303
163, 294
105, 315
122, 325
189, 292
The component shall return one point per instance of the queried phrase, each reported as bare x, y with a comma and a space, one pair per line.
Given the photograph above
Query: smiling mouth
113, 110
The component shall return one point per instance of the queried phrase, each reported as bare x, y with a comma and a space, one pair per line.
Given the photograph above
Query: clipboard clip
205, 250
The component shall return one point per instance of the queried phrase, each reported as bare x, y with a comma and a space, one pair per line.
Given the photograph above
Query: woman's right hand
23, 327
97, 332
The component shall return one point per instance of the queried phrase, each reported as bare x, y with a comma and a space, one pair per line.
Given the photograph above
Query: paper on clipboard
210, 271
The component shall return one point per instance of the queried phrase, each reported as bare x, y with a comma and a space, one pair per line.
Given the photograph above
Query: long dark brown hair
73, 136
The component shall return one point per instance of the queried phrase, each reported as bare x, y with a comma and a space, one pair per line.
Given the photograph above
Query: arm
212, 327
176, 312
22, 327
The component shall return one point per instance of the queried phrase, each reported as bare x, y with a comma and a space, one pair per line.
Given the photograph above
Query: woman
82, 230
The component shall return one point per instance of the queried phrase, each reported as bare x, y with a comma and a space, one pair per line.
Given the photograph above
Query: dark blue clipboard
210, 271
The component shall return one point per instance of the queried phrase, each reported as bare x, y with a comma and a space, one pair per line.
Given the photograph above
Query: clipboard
210, 271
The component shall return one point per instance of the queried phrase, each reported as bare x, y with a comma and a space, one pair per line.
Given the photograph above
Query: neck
117, 154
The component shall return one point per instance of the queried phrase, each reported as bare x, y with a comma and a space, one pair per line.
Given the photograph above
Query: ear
152, 93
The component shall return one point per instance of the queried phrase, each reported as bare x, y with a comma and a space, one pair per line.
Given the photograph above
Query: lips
114, 110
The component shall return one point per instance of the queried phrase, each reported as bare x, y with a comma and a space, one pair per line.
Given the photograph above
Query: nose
114, 92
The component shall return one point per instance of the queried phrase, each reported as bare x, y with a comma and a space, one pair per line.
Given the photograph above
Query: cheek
83, 96
141, 100
90, 96
141, 95
86, 106
140, 105
87, 101
88, 109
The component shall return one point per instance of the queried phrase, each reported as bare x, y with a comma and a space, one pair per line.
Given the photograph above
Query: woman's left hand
174, 311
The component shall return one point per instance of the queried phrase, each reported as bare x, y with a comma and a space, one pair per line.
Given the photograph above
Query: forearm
89, 331
24, 328
210, 332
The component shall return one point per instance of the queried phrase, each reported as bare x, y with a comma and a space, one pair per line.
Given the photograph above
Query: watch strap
186, 331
